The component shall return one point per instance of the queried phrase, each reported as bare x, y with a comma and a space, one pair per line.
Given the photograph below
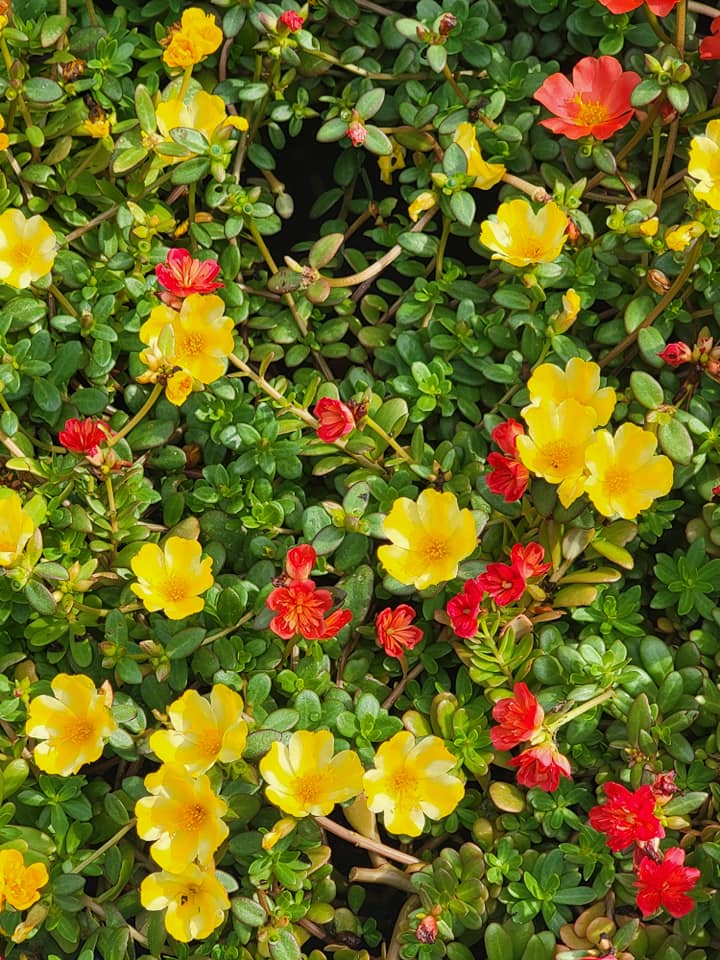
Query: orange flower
595, 104
20, 885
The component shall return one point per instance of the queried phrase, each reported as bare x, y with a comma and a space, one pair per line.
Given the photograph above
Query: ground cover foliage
360, 453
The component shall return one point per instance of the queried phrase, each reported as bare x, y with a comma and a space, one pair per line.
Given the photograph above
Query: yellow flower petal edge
486, 174
172, 578
704, 165
195, 901
580, 380
521, 237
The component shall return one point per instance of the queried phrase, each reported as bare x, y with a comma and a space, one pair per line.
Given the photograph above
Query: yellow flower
391, 162
73, 725
196, 902
580, 380
203, 338
98, 129
570, 309
16, 527
203, 732
704, 164
196, 38
171, 579
422, 202
486, 174
520, 237
27, 249
429, 539
680, 237
4, 139
305, 778
179, 387
554, 447
203, 112
183, 817
411, 781
625, 474
20, 885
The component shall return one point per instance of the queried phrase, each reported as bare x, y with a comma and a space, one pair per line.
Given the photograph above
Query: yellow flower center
209, 743
78, 731
310, 788
192, 345
616, 481
403, 786
533, 250
590, 112
558, 454
434, 550
176, 589
21, 254
193, 816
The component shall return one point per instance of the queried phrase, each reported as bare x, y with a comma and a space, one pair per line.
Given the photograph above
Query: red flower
292, 20
520, 717
427, 930
336, 419
661, 8
528, 560
596, 103
716, 491
710, 46
542, 766
301, 608
675, 354
82, 436
299, 561
183, 275
357, 133
626, 817
665, 884
464, 609
504, 583
395, 631
509, 477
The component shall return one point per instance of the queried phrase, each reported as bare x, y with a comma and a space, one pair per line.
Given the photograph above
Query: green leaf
369, 103
376, 142
437, 58
332, 130
463, 207
150, 433
324, 249
39, 597
646, 389
675, 441
145, 109
42, 90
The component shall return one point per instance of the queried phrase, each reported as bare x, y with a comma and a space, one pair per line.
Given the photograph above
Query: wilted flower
626, 816
521, 237
83, 436
580, 380
486, 174
395, 632
196, 901
682, 236
542, 766
596, 103
27, 249
422, 202
203, 732
196, 37
570, 308
624, 474
666, 884
410, 781
519, 718
16, 527
335, 417
389, 163
172, 578
429, 536
72, 725
183, 816
20, 885
307, 777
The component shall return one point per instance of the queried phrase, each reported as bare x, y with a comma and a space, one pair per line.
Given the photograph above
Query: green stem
659, 307
63, 300
653, 160
211, 637
8, 61
554, 723
125, 828
635, 139
11, 445
667, 160
140, 415
90, 7
441, 247
112, 508
448, 74
655, 24
185, 81
391, 441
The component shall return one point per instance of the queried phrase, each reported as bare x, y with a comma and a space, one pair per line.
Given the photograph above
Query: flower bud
447, 22
658, 281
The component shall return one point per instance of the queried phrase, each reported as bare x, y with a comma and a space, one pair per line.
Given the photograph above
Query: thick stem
391, 441
358, 840
703, 9
681, 26
539, 194
441, 247
556, 722
140, 415
667, 160
126, 828
63, 300
399, 687
385, 874
449, 76
112, 509
185, 81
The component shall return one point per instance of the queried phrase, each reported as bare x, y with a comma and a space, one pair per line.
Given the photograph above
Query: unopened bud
447, 22
658, 281
427, 930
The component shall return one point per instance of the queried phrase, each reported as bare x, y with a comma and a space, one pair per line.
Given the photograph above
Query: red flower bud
357, 133
675, 354
292, 20
336, 419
